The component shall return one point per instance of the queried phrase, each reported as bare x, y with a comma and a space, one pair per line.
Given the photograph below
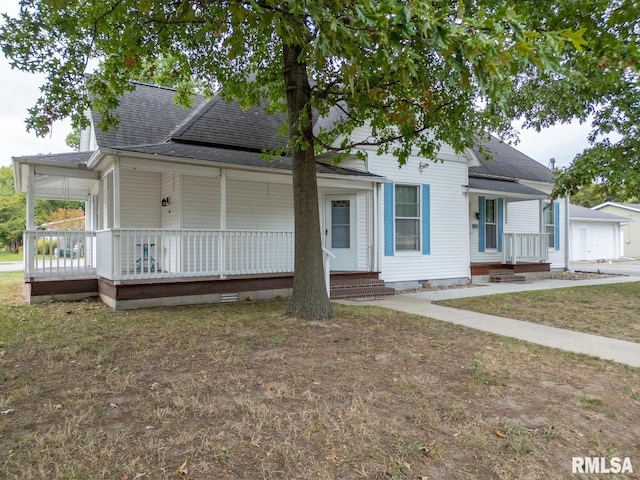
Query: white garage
595, 235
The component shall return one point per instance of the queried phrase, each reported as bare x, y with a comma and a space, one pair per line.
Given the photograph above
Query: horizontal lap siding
139, 199
201, 202
259, 206
449, 256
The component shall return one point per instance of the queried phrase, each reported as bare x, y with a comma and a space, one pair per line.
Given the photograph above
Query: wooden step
346, 283
355, 292
507, 278
353, 288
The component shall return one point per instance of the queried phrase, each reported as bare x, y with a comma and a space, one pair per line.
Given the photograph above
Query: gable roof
576, 212
221, 124
634, 207
147, 115
506, 162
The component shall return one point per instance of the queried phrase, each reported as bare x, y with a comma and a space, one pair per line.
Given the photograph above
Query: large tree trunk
309, 299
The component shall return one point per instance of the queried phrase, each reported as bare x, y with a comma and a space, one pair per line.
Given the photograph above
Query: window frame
494, 224
549, 206
418, 218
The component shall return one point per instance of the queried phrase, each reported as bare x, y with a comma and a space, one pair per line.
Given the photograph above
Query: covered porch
158, 233
509, 231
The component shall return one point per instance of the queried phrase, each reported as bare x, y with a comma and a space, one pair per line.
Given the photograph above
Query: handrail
327, 269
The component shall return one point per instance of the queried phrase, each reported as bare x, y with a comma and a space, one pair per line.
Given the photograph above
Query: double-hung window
407, 217
491, 223
549, 216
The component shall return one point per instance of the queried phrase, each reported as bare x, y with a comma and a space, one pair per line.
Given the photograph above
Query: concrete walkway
607, 348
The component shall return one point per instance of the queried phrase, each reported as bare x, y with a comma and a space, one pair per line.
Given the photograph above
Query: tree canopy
600, 84
418, 73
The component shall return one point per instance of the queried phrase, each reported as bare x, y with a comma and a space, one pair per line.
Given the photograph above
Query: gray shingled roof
507, 162
63, 159
503, 186
235, 157
219, 123
147, 115
577, 212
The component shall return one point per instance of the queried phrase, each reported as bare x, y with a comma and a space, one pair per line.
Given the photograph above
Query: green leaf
576, 37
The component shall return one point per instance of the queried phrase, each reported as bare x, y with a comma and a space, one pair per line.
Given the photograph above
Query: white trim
614, 204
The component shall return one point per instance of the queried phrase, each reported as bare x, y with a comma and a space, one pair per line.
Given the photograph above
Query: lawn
10, 257
606, 310
241, 391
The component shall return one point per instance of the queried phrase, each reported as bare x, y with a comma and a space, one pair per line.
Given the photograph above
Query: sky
19, 91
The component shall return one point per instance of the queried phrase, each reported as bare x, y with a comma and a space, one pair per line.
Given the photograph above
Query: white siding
259, 205
449, 257
200, 202
139, 199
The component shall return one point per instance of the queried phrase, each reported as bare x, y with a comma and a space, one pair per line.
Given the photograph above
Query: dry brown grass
606, 310
241, 391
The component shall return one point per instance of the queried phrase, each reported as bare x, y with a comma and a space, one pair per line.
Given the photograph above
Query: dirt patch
241, 391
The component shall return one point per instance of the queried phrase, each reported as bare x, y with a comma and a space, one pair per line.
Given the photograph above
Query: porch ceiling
62, 188
507, 188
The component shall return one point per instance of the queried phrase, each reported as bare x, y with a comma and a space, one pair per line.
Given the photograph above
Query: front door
340, 232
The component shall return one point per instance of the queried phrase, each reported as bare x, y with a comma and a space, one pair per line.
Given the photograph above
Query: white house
182, 208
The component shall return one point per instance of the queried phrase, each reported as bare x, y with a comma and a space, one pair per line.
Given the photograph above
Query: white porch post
116, 192
31, 198
223, 222
30, 241
375, 240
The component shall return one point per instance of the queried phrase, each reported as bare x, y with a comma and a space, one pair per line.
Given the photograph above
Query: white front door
340, 231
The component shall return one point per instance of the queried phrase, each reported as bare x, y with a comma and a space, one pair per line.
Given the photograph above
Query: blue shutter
556, 225
426, 220
389, 244
500, 222
481, 230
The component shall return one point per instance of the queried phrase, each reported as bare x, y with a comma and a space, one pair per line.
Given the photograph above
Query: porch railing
57, 253
156, 253
525, 247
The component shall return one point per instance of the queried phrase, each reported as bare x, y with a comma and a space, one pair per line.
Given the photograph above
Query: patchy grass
606, 310
242, 391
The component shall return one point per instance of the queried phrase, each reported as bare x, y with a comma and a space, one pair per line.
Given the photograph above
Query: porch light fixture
166, 202
477, 215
